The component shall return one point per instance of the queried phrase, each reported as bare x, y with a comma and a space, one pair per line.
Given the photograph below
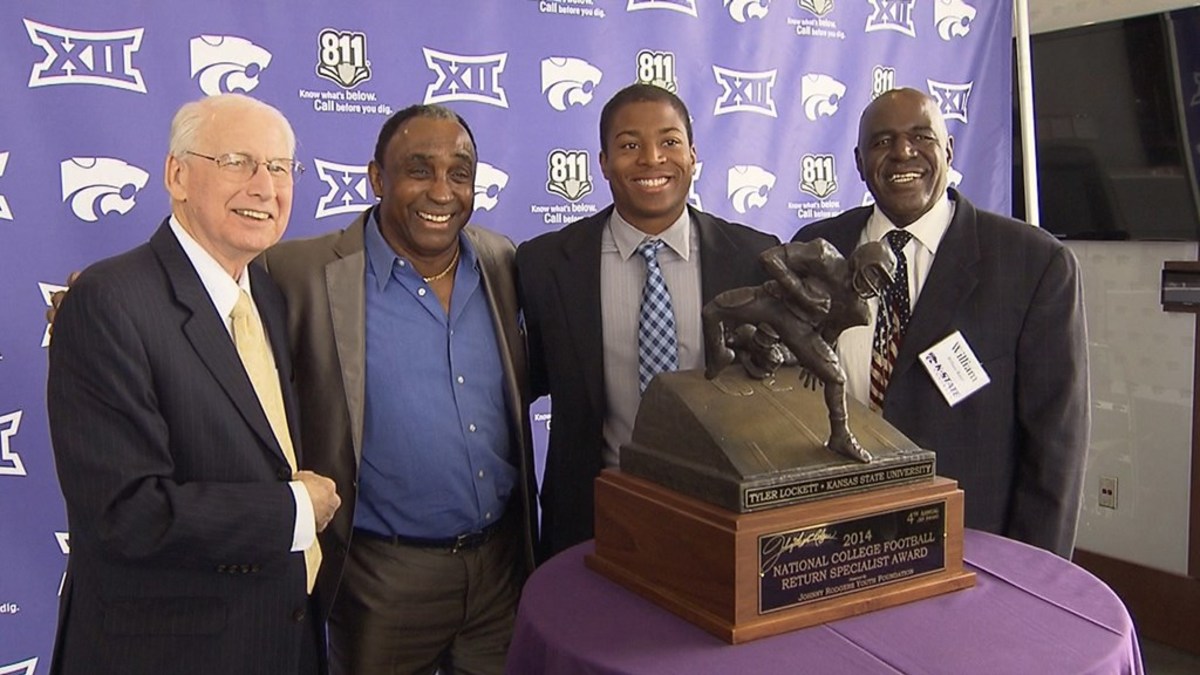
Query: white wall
1046, 15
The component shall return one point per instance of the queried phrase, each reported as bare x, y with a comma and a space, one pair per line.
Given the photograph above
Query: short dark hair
397, 120
639, 93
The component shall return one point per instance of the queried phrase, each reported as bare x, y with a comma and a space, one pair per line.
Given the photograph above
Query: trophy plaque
730, 511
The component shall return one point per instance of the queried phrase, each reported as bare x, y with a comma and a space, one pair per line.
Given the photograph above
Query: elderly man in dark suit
173, 422
410, 368
592, 295
1009, 291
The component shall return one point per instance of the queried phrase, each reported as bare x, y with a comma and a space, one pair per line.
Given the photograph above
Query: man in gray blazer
1009, 291
581, 289
411, 374
176, 454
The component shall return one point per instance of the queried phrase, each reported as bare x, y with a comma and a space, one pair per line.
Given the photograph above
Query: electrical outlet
1108, 492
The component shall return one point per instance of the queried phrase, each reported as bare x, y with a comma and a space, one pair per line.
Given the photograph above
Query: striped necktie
891, 322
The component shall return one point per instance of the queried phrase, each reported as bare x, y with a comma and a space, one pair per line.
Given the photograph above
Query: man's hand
323, 493
56, 299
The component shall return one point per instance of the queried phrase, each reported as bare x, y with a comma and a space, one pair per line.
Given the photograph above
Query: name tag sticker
954, 368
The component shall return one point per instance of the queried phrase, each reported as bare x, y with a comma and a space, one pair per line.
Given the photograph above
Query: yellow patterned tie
256, 356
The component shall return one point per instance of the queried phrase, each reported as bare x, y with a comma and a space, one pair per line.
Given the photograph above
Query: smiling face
427, 188
904, 154
648, 161
231, 217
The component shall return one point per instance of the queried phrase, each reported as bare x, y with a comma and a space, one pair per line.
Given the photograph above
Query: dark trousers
401, 609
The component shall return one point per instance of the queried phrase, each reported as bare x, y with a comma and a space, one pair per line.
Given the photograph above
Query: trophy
754, 498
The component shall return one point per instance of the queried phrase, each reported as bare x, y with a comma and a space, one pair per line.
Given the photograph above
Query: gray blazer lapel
344, 279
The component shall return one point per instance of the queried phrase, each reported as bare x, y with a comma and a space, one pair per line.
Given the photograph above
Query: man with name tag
978, 351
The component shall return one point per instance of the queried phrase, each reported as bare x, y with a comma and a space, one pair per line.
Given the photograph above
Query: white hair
191, 117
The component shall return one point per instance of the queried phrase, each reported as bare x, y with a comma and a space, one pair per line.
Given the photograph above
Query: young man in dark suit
174, 427
582, 290
1010, 292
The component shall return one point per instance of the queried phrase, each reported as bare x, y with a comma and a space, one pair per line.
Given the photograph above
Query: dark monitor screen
1112, 126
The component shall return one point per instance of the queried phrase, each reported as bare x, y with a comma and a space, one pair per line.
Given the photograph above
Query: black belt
466, 541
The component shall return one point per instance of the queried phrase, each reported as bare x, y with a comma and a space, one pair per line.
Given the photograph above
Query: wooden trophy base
747, 576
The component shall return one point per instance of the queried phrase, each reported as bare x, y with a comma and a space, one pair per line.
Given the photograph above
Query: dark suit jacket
180, 515
559, 274
1016, 447
323, 280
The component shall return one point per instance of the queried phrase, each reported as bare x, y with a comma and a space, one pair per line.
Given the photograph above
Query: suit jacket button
298, 615
255, 568
284, 473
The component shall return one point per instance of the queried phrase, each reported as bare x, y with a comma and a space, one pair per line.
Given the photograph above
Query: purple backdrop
774, 87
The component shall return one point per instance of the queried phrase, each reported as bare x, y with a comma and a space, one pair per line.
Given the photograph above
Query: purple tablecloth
1029, 612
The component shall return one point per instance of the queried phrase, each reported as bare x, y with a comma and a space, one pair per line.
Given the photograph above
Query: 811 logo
570, 174
342, 57
883, 79
818, 175
103, 58
347, 188
657, 68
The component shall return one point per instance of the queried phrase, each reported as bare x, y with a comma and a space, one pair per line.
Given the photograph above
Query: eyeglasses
243, 166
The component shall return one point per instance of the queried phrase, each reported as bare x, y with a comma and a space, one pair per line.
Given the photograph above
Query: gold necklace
439, 275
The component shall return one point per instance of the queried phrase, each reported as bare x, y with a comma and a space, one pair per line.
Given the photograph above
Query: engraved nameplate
834, 559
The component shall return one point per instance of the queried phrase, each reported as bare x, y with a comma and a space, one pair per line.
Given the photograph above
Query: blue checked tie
891, 322
657, 348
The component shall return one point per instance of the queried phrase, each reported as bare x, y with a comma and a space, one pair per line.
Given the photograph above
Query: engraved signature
779, 544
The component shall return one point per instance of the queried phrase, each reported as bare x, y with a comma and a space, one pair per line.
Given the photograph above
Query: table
1029, 612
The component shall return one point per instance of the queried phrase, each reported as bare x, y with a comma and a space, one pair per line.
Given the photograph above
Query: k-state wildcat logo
342, 57
5, 212
489, 183
951, 98
953, 18
821, 95
744, 91
10, 461
742, 11
98, 186
349, 188
684, 6
103, 58
568, 81
466, 78
227, 63
893, 15
569, 174
748, 187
